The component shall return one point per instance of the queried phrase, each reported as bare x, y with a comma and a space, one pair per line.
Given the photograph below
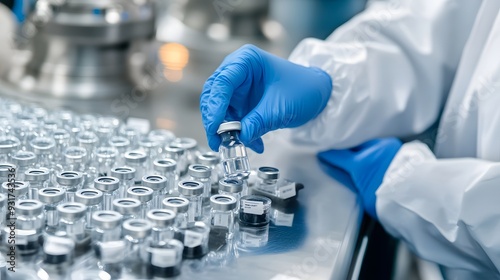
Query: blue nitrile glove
366, 166
265, 92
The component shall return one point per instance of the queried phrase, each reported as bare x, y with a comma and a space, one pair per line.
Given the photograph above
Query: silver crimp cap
165, 165
106, 184
106, 219
199, 171
89, 197
127, 206
156, 182
29, 207
143, 194
69, 178
231, 185
161, 217
123, 173
51, 195
189, 187
176, 204
71, 210
223, 202
268, 173
137, 228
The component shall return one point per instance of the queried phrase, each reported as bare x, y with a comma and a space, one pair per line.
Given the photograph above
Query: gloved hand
365, 165
264, 92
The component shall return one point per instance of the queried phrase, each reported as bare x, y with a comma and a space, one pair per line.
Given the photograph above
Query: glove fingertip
257, 146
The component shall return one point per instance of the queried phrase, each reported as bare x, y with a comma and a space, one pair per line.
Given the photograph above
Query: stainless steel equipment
82, 48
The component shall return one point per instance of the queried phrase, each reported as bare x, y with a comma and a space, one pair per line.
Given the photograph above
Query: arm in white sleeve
392, 67
447, 211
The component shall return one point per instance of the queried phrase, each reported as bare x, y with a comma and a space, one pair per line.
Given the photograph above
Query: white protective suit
398, 68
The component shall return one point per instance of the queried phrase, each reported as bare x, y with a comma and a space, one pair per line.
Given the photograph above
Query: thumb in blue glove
265, 92
366, 166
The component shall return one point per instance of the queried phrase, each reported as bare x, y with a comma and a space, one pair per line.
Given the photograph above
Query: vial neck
230, 136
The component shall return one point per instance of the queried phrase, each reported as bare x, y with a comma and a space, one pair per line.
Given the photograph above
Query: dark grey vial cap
89, 197
69, 178
5, 169
37, 174
156, 182
29, 207
23, 158
18, 188
176, 204
161, 217
51, 195
165, 165
268, 173
137, 228
143, 194
190, 187
136, 156
106, 184
72, 210
123, 173
229, 126
106, 219
127, 206
209, 158
231, 185
200, 171
223, 202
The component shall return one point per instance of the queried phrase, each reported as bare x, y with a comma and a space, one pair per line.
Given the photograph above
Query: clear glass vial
268, 179
106, 226
179, 155
192, 191
7, 172
222, 213
8, 144
163, 225
3, 209
190, 147
203, 174
195, 240
121, 144
126, 176
254, 210
138, 160
38, 179
233, 187
109, 186
105, 160
29, 226
89, 141
62, 138
157, 183
75, 159
24, 160
108, 246
144, 195
51, 198
44, 148
167, 167
135, 233
130, 208
72, 221
93, 199
151, 147
212, 159
164, 261
58, 256
19, 189
180, 206
71, 181
232, 152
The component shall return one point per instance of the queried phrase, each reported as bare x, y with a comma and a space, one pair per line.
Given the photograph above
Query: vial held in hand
232, 151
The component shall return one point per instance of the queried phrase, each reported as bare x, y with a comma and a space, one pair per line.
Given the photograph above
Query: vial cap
51, 195
176, 204
87, 139
268, 173
127, 206
105, 219
75, 154
43, 145
37, 174
89, 197
18, 188
165, 165
137, 228
189, 187
231, 185
174, 152
123, 173
155, 182
184, 143
71, 210
119, 142
199, 171
161, 217
229, 126
6, 169
143, 194
29, 207
69, 178
23, 158
136, 156
209, 158
8, 144
61, 136
3, 200
106, 184
223, 202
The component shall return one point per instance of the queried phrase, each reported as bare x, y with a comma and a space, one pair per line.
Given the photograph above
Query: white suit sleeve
446, 210
391, 66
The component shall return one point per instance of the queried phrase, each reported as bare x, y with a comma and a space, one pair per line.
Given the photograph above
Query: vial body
232, 152
222, 213
29, 226
193, 192
164, 261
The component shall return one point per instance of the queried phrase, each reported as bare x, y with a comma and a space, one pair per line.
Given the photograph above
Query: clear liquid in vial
236, 167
